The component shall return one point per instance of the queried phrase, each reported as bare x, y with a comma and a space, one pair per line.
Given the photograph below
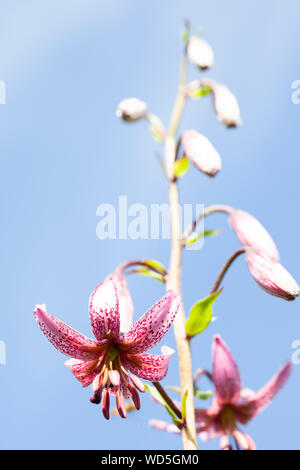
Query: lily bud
200, 53
131, 110
201, 152
271, 276
251, 233
225, 103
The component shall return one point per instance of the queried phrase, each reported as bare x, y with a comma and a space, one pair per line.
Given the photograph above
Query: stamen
121, 404
105, 404
137, 383
135, 396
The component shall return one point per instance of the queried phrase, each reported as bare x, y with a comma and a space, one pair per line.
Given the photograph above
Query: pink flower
201, 152
231, 403
251, 233
108, 362
225, 103
271, 276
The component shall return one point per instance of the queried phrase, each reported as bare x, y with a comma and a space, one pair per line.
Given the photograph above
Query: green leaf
157, 396
181, 167
200, 315
149, 273
202, 395
195, 236
156, 264
174, 388
183, 404
199, 92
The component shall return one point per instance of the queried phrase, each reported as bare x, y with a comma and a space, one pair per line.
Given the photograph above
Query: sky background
66, 65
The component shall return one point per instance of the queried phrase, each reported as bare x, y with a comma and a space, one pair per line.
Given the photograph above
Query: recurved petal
254, 405
226, 376
64, 338
152, 326
125, 303
150, 367
251, 233
104, 310
201, 152
271, 276
84, 371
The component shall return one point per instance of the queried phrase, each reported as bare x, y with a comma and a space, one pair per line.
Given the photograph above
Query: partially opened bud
201, 152
271, 276
125, 303
131, 110
251, 233
200, 53
225, 103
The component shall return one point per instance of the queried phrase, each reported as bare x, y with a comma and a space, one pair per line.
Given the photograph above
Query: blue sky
63, 152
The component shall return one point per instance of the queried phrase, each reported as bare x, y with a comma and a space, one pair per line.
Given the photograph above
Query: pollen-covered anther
105, 403
135, 396
121, 404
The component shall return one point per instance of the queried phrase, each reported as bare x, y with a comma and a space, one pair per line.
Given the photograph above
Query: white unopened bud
251, 233
271, 276
131, 110
200, 53
201, 152
225, 103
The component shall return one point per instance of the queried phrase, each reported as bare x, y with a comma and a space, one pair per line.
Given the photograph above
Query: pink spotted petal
147, 366
64, 338
153, 325
247, 409
104, 310
84, 371
125, 303
226, 375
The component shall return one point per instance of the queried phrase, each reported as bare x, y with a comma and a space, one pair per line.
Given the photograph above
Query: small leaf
195, 236
157, 397
202, 395
199, 92
157, 265
149, 273
181, 167
200, 315
174, 388
186, 32
183, 405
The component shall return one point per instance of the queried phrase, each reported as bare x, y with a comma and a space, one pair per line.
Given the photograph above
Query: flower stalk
174, 273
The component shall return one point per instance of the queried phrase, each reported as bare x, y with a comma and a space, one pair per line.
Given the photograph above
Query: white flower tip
167, 351
200, 53
131, 109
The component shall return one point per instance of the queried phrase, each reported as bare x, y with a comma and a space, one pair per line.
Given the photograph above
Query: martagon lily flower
109, 361
231, 403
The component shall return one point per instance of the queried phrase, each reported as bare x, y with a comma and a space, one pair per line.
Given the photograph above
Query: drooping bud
125, 303
200, 53
201, 152
271, 276
251, 233
225, 103
131, 109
